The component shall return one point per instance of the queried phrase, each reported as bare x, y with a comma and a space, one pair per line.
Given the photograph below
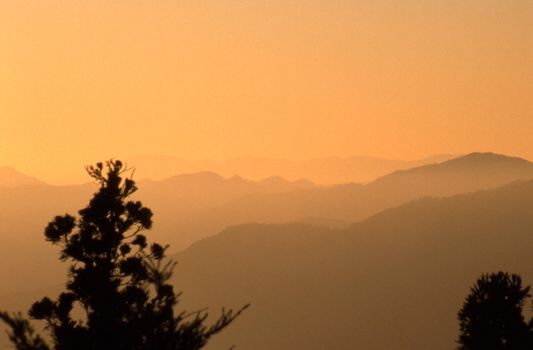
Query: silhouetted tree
117, 280
491, 317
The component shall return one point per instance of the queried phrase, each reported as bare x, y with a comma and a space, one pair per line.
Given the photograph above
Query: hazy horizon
162, 166
75, 173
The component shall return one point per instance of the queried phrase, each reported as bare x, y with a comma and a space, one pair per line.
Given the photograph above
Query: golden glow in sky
87, 80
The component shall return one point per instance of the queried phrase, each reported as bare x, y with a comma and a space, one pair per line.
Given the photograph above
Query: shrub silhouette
116, 278
491, 317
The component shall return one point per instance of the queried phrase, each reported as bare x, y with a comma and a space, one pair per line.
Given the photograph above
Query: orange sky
84, 80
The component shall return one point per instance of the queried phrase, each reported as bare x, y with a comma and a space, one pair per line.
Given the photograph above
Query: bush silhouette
118, 281
491, 317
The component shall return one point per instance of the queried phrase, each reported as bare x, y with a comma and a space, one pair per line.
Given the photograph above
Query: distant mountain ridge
354, 202
10, 177
207, 189
472, 172
493, 164
209, 178
332, 170
189, 207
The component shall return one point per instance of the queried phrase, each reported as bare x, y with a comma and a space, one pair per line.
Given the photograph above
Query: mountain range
350, 202
323, 171
188, 207
333, 267
393, 281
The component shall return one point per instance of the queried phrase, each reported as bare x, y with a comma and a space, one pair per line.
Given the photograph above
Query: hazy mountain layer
192, 206
394, 281
353, 202
322, 171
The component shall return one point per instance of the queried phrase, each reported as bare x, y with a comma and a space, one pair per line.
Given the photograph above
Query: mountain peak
471, 172
9, 177
487, 157
472, 162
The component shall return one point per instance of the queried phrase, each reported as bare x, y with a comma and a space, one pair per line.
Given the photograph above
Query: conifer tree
491, 317
116, 278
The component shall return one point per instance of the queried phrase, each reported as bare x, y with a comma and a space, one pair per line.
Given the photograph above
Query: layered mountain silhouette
322, 171
355, 202
402, 270
470, 172
188, 207
393, 281
209, 189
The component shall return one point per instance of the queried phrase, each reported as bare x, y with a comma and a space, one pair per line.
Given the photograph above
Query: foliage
491, 317
116, 278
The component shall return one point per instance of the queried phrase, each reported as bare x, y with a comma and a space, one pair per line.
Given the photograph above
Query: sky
86, 80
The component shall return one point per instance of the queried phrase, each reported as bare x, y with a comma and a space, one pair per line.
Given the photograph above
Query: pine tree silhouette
491, 317
116, 278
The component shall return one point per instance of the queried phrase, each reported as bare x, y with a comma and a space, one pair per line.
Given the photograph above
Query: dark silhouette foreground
116, 279
491, 317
